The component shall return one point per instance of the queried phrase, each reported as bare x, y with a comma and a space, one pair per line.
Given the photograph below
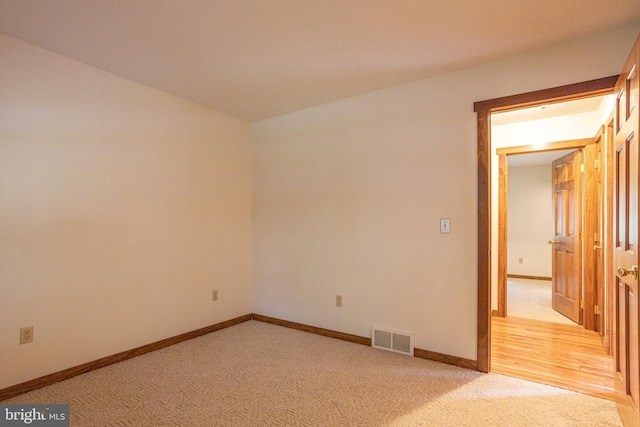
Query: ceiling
536, 159
256, 59
558, 109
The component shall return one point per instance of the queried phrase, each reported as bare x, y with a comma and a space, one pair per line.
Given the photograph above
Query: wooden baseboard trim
520, 276
417, 352
37, 383
314, 330
445, 358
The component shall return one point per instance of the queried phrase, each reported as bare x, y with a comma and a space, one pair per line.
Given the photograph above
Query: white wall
348, 197
530, 222
121, 209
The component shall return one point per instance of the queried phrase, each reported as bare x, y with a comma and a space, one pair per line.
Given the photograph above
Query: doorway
526, 240
543, 228
484, 109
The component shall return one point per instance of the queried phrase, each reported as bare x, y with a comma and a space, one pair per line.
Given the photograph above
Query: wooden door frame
609, 270
594, 236
483, 110
503, 178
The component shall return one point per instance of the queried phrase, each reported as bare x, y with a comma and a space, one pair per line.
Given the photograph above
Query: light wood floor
565, 356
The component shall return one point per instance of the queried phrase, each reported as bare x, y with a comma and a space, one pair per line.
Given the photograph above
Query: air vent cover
392, 340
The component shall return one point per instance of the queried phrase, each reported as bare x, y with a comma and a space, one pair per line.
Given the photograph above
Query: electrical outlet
26, 335
338, 300
520, 260
214, 295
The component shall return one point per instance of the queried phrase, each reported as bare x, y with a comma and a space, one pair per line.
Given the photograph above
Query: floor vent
388, 339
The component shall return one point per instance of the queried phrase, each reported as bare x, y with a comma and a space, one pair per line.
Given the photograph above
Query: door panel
566, 242
625, 253
626, 259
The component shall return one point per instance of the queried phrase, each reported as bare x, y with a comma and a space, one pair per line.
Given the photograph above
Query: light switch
445, 225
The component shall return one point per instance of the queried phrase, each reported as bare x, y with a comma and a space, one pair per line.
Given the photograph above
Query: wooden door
625, 228
593, 308
567, 228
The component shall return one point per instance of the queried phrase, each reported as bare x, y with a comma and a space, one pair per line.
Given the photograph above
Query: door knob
553, 242
633, 271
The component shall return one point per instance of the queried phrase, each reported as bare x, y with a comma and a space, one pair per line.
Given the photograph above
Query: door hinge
582, 167
596, 310
596, 163
581, 304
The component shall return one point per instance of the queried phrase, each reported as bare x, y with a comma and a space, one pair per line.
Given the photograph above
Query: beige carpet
531, 299
257, 374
